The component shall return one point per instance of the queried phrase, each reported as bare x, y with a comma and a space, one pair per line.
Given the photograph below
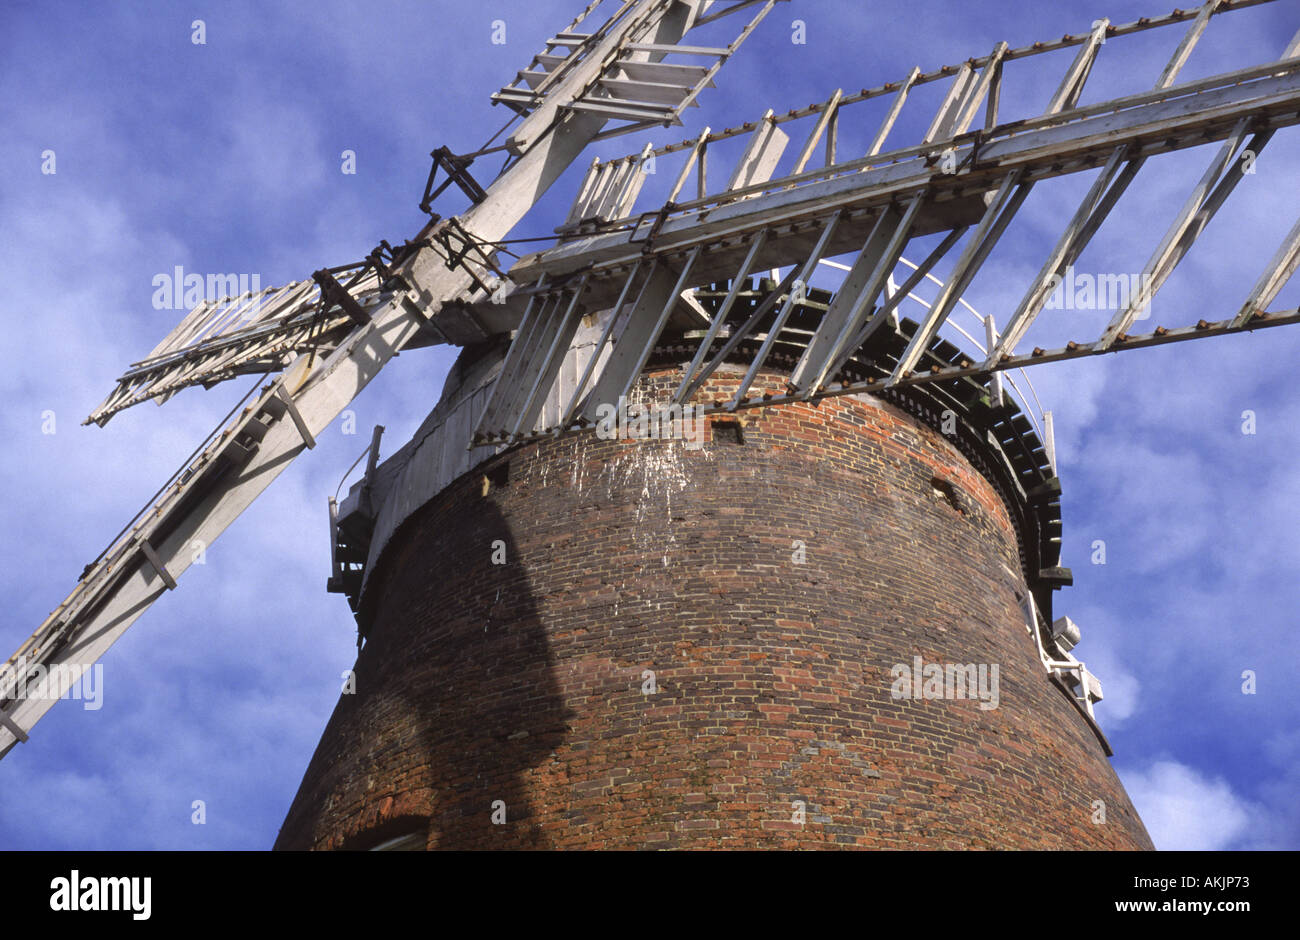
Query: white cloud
1183, 809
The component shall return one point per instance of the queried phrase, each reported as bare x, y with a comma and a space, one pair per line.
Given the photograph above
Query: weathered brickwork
527, 682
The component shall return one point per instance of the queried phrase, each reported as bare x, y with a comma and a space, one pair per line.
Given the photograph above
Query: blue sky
225, 157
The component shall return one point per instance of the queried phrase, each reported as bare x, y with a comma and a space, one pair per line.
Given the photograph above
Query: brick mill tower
602, 643
721, 535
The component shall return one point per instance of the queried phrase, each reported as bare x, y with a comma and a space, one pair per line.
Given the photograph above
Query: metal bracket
372, 461
457, 170
657, 217
456, 254
332, 292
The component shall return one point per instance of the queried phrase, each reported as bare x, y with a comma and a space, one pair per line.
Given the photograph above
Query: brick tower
608, 643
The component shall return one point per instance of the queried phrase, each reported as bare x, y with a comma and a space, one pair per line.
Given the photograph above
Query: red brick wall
523, 682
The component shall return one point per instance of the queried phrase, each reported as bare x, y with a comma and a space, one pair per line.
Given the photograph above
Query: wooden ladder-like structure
966, 184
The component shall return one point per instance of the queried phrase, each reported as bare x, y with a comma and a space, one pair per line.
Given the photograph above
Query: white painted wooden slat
583, 198
1188, 43
947, 113
193, 327
627, 175
566, 325
895, 108
533, 78
774, 331
535, 352
514, 356
738, 283
625, 110
1067, 93
613, 322
1010, 195
666, 73
970, 104
593, 196
637, 335
697, 150
626, 90
622, 207
663, 48
507, 390
176, 337
830, 109
1281, 267
766, 145
1171, 247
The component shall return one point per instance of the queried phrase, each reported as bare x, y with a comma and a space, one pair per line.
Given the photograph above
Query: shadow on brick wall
492, 711
456, 700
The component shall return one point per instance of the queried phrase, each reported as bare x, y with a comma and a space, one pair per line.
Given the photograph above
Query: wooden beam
489, 420
1070, 244
828, 113
856, 298
549, 368
590, 185
297, 418
157, 563
738, 282
518, 383
1279, 270
1071, 87
996, 392
738, 336
951, 104
1188, 43
1010, 196
570, 409
642, 326
695, 154
891, 304
13, 727
995, 97
965, 114
895, 108
761, 155
1190, 220
778, 324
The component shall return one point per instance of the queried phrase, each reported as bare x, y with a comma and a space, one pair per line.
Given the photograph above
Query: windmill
320, 340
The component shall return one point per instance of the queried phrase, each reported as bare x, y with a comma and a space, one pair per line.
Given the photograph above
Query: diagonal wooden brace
152, 557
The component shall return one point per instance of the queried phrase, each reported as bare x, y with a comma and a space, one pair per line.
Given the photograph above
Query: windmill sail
640, 83
252, 333
413, 296
964, 183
